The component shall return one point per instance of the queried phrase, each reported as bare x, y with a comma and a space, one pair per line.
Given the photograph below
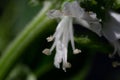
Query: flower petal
65, 63
59, 55
76, 10
70, 29
115, 15
73, 9
92, 20
111, 28
90, 17
54, 14
96, 28
59, 31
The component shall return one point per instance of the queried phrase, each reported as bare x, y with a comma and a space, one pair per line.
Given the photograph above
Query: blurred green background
23, 32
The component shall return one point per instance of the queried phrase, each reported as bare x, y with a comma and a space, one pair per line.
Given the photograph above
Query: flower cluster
64, 31
72, 13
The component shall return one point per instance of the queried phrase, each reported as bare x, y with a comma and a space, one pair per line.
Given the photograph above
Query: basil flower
71, 12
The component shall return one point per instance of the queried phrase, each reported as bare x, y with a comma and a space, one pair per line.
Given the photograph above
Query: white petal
54, 14
92, 20
66, 9
93, 15
65, 40
73, 9
83, 22
115, 15
96, 28
65, 37
65, 63
61, 41
76, 10
59, 32
111, 29
93, 26
71, 34
59, 55
63, 23
90, 16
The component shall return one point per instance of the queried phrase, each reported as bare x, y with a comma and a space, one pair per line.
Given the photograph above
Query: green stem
15, 49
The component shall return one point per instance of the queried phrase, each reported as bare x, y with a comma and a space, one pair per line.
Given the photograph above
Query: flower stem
15, 49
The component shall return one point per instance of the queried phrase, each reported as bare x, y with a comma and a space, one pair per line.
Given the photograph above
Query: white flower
63, 34
64, 31
111, 30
